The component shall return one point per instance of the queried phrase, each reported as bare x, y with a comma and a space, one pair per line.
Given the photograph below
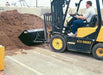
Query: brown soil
12, 24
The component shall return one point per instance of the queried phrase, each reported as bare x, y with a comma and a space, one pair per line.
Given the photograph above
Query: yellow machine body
100, 35
84, 31
2, 56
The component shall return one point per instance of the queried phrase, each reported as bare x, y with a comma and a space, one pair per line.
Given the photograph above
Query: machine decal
83, 41
73, 43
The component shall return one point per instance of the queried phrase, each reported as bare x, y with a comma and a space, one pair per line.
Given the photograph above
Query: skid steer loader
89, 39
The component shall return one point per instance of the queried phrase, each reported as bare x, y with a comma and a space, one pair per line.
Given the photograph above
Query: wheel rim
57, 43
99, 52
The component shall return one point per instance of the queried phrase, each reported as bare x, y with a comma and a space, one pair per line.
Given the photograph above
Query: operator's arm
85, 16
80, 17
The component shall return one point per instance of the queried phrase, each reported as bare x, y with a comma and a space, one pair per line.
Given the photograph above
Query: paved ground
40, 61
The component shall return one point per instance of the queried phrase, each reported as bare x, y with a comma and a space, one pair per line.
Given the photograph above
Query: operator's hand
77, 16
80, 17
1, 73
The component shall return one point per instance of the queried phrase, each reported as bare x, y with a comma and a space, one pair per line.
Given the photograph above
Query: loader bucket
34, 36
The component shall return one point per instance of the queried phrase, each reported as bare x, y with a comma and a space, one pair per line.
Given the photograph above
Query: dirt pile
12, 24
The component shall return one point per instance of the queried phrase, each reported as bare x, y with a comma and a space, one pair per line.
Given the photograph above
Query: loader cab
80, 8
82, 5
89, 39
60, 10
93, 20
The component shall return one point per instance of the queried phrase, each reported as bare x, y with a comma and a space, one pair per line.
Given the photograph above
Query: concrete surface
41, 61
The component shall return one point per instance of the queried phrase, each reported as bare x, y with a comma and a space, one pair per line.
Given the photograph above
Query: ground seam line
60, 55
24, 65
50, 57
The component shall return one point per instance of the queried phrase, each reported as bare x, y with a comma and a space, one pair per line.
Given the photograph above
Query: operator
80, 19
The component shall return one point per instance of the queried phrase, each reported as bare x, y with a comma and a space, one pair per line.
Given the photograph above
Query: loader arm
58, 17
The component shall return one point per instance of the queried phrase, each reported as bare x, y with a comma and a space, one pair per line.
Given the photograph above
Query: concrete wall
36, 11
39, 11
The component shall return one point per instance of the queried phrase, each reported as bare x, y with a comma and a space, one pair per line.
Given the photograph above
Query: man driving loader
80, 19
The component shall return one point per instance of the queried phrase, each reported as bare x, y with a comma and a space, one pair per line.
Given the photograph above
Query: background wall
44, 3
39, 11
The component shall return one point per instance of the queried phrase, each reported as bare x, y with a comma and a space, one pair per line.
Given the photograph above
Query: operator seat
92, 22
88, 28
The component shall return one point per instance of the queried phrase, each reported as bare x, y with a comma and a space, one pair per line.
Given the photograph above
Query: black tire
97, 51
58, 46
